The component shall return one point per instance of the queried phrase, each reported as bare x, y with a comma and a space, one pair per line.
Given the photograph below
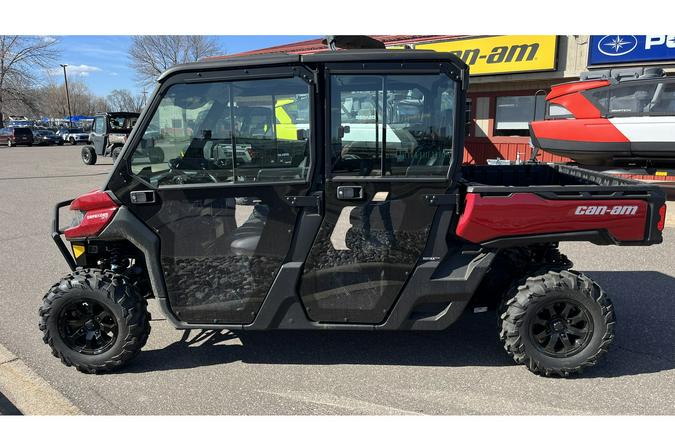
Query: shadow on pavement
7, 407
645, 339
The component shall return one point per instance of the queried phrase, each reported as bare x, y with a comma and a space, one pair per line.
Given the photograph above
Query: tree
53, 103
152, 54
20, 58
124, 100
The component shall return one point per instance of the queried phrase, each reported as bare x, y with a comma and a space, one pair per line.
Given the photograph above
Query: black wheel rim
561, 328
88, 327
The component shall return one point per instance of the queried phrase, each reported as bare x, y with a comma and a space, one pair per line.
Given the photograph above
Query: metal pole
70, 114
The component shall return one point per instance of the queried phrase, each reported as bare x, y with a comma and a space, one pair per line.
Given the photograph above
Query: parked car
73, 135
12, 136
46, 137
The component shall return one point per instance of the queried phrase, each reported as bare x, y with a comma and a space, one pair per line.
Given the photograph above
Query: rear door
221, 200
389, 149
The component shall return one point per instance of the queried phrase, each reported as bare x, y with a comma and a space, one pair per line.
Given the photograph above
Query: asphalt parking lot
462, 370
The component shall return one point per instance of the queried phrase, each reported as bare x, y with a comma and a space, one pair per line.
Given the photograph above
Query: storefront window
515, 112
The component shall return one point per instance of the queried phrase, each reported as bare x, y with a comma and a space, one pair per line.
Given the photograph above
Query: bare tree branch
152, 54
21, 59
124, 100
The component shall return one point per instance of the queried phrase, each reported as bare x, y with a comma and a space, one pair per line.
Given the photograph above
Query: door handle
143, 197
350, 192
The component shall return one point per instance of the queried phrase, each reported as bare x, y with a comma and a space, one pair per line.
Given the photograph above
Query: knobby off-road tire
115, 153
555, 261
557, 323
112, 297
88, 154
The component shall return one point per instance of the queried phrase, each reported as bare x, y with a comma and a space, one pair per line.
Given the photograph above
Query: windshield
125, 123
227, 132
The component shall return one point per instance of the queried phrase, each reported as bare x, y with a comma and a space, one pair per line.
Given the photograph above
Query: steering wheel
180, 176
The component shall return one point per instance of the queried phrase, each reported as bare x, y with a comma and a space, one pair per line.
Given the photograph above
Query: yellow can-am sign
502, 53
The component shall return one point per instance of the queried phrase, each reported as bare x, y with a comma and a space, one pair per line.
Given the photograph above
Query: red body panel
520, 214
583, 130
570, 87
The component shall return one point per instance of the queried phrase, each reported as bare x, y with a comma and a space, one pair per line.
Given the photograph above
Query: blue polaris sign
609, 49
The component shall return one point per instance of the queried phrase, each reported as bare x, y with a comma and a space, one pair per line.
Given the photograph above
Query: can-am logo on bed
603, 210
607, 49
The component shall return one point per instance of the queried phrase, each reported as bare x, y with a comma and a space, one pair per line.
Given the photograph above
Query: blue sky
102, 62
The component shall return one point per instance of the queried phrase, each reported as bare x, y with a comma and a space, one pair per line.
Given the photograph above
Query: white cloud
114, 74
76, 70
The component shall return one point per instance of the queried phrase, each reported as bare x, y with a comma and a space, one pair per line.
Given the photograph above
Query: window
391, 125
227, 132
631, 98
99, 125
663, 101
557, 111
599, 97
635, 98
514, 113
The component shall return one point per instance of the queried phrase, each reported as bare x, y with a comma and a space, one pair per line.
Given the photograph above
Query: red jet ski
610, 117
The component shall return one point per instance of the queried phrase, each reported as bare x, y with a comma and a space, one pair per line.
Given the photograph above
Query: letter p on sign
651, 40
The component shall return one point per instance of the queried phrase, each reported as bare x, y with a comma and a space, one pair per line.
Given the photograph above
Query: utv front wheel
94, 320
557, 323
88, 155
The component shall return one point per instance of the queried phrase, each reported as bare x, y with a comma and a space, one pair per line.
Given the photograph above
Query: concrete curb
29, 392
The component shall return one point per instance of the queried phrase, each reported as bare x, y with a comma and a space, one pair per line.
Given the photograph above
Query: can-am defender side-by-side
347, 210
109, 132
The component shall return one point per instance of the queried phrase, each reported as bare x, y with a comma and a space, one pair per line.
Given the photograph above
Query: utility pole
65, 77
145, 93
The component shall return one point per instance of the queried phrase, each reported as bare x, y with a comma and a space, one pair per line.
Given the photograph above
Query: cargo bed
547, 177
524, 204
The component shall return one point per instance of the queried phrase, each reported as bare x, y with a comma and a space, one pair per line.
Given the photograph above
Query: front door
98, 134
219, 200
391, 139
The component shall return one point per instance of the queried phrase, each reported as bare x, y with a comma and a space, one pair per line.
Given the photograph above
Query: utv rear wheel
115, 153
94, 320
88, 155
557, 323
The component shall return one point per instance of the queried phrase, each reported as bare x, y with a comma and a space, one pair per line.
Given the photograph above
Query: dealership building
511, 75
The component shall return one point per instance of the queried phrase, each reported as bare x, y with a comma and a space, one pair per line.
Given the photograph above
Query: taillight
662, 218
97, 210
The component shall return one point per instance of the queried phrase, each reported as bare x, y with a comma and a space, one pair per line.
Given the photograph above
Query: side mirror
302, 135
467, 118
342, 130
